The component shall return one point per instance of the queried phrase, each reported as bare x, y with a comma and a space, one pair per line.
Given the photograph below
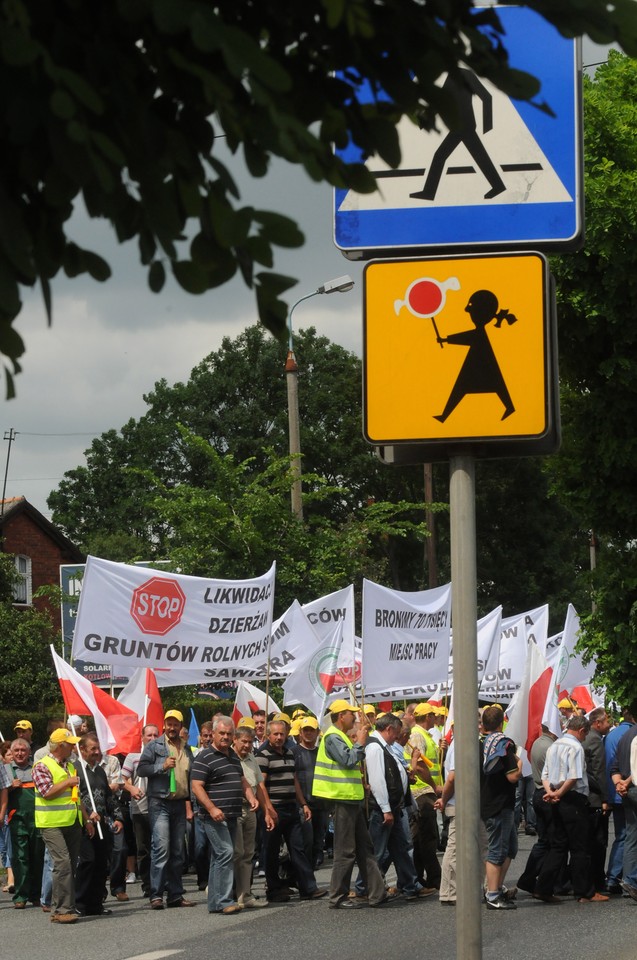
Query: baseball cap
74, 721
174, 713
295, 729
339, 706
247, 722
281, 718
23, 725
370, 709
309, 722
423, 709
565, 703
63, 736
298, 714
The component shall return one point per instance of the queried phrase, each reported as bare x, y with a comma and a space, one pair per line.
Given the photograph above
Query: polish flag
584, 697
249, 699
117, 727
141, 694
534, 702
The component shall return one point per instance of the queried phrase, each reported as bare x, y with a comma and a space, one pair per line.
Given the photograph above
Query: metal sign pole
465, 697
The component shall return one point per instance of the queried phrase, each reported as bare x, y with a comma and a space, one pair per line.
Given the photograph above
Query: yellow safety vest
332, 781
62, 810
431, 757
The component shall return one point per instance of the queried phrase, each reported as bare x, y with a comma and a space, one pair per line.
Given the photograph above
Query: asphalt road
535, 931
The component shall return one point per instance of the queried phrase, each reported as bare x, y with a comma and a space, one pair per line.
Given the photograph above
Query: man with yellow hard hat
59, 815
338, 779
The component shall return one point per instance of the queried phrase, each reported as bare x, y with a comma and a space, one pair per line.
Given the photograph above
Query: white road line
155, 955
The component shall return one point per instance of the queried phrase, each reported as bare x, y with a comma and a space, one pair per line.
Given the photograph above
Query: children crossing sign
508, 175
459, 351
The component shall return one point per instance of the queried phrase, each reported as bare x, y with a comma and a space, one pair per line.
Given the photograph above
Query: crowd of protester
268, 798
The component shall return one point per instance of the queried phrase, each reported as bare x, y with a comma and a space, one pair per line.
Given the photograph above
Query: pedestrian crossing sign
509, 176
460, 351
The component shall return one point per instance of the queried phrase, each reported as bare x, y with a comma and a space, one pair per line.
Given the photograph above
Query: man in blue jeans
620, 773
615, 869
389, 788
218, 786
166, 763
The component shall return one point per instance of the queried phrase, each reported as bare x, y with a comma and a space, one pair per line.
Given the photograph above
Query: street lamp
339, 285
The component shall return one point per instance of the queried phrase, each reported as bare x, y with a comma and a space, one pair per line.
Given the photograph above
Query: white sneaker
131, 878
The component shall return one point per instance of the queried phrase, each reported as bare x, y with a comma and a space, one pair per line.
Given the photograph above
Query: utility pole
9, 435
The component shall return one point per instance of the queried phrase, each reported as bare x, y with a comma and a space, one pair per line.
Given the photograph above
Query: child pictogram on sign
480, 372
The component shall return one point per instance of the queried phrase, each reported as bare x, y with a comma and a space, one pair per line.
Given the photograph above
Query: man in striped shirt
278, 767
219, 785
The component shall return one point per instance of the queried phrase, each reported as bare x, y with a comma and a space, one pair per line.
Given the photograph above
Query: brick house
39, 549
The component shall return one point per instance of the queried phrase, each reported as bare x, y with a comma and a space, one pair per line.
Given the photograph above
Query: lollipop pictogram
426, 297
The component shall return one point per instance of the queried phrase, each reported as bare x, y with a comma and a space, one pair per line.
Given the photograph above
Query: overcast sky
111, 342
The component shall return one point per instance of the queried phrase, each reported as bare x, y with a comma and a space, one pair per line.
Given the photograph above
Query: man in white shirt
566, 791
389, 787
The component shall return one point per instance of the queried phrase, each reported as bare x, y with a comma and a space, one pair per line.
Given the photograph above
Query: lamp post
339, 285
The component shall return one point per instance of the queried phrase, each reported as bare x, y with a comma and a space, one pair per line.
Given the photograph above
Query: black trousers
568, 833
92, 871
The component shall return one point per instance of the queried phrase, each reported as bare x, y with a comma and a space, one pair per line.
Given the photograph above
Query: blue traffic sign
510, 175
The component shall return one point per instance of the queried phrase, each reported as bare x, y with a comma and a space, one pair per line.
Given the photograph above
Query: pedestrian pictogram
463, 89
458, 349
157, 605
508, 174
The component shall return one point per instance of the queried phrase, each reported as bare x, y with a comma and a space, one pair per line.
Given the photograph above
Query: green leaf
156, 276
279, 229
96, 266
62, 104
82, 90
18, 49
190, 276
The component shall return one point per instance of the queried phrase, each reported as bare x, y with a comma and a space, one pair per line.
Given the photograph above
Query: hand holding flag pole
87, 782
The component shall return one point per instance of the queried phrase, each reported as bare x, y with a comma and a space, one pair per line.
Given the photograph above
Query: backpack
494, 749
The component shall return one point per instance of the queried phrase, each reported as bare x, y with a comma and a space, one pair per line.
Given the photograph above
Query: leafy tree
120, 103
236, 400
27, 678
596, 472
240, 522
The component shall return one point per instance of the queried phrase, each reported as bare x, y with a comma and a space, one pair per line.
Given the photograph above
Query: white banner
514, 636
489, 633
325, 613
147, 618
405, 636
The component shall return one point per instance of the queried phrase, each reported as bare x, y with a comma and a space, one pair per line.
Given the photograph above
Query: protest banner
172, 620
406, 636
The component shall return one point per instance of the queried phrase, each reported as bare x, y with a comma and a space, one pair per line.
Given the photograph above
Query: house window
22, 589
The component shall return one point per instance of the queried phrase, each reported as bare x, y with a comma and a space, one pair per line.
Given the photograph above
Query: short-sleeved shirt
221, 775
565, 761
278, 770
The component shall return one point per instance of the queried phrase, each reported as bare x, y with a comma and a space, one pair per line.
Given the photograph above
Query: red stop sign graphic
157, 606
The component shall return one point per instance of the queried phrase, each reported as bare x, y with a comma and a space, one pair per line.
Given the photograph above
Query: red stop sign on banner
157, 606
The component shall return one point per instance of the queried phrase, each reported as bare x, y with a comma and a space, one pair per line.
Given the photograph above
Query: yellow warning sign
457, 348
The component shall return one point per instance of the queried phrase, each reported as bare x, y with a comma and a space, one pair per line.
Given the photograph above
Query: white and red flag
118, 728
534, 703
141, 694
250, 699
313, 679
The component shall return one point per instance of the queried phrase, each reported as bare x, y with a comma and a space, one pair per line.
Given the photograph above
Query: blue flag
193, 730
